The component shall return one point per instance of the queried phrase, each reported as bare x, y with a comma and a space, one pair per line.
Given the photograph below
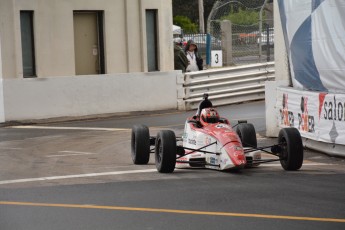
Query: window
152, 40
28, 44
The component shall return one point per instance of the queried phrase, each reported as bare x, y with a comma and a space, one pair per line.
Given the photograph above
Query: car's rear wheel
165, 151
291, 156
140, 144
247, 134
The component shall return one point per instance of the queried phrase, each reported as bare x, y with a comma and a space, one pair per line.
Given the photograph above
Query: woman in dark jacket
195, 61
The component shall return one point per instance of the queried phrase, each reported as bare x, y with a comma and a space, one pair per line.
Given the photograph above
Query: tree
186, 24
243, 17
190, 9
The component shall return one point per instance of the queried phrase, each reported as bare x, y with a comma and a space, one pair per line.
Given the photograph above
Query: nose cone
236, 154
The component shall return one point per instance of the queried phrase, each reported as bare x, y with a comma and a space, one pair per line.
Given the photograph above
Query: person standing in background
195, 61
180, 59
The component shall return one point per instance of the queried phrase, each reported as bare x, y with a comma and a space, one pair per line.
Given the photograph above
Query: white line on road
71, 153
68, 128
10, 148
112, 173
75, 176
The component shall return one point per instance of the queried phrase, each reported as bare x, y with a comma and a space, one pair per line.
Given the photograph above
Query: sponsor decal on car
208, 140
222, 126
213, 160
192, 141
238, 148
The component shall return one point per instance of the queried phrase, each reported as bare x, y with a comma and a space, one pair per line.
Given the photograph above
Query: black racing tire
140, 144
247, 134
291, 156
165, 151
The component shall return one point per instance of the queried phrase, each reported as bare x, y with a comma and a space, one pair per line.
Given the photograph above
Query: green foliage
186, 24
190, 8
243, 17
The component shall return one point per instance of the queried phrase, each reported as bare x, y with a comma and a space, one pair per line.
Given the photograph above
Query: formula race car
210, 141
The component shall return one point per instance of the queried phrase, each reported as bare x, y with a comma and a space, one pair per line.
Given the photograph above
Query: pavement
79, 175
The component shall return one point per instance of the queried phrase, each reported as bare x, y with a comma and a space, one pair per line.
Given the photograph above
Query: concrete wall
2, 115
281, 75
39, 98
2, 112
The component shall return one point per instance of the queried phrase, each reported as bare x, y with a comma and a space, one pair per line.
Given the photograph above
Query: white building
83, 57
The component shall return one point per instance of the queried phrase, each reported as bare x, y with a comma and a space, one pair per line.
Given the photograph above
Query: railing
225, 86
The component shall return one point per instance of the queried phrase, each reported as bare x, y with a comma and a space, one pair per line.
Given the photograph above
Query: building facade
81, 44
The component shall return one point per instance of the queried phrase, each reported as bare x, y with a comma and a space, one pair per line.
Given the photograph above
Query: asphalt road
79, 175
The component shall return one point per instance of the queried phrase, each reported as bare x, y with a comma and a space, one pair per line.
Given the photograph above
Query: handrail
226, 85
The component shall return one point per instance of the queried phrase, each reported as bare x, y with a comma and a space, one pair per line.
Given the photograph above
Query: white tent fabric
176, 29
314, 32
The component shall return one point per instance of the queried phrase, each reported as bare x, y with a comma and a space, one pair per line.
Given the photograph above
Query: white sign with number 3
216, 58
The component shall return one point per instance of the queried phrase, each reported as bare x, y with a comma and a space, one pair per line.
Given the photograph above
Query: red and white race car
210, 141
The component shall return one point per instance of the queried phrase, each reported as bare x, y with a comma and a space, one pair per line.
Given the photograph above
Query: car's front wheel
165, 151
140, 144
291, 156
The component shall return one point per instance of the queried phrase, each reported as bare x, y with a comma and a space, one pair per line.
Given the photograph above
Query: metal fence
250, 43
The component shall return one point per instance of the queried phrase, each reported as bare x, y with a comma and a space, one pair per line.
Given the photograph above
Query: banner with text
318, 116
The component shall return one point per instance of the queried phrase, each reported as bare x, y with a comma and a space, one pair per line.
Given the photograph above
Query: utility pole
201, 17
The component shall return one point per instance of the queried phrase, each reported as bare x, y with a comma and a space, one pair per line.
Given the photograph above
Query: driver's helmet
209, 115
